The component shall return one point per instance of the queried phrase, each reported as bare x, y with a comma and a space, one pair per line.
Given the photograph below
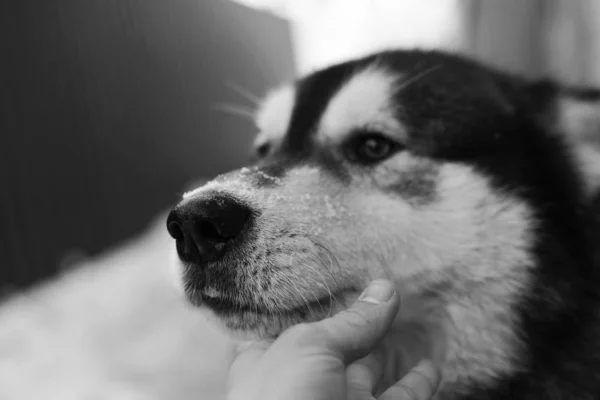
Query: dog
471, 188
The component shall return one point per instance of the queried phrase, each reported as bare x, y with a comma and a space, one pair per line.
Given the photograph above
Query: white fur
490, 233
471, 237
468, 220
363, 102
273, 115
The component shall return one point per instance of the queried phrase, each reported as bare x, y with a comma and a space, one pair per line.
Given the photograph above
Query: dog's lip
222, 304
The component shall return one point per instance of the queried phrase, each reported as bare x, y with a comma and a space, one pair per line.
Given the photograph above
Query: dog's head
449, 178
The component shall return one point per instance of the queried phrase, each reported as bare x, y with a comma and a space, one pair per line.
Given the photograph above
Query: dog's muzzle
204, 226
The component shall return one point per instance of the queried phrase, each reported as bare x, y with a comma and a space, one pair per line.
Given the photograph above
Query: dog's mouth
227, 306
250, 295
224, 306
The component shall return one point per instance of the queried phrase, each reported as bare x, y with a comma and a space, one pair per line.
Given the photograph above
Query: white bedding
112, 328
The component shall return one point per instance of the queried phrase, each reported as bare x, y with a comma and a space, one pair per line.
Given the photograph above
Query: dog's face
418, 167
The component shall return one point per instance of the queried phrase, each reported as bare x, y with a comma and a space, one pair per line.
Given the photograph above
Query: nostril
209, 231
175, 230
215, 231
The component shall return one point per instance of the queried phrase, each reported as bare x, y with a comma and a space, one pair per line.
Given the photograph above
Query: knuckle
424, 378
409, 394
355, 318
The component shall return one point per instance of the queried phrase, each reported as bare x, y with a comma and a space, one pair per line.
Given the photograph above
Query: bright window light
328, 31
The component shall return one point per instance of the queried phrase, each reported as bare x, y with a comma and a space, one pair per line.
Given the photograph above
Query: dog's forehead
432, 101
365, 102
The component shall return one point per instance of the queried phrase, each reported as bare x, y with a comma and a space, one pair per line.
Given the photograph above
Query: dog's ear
578, 118
575, 114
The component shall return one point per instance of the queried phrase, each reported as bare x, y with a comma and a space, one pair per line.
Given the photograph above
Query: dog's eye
373, 147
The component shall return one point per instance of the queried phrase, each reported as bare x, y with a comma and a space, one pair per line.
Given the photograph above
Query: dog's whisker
406, 83
332, 297
315, 296
332, 260
245, 93
235, 110
256, 300
309, 287
306, 303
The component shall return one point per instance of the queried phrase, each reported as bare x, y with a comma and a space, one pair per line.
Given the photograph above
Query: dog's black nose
202, 226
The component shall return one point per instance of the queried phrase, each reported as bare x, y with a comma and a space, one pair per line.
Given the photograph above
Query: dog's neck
471, 335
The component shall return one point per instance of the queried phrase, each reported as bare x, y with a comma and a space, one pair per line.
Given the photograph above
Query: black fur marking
313, 94
334, 166
584, 94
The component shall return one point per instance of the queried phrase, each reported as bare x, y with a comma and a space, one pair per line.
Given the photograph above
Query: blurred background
109, 107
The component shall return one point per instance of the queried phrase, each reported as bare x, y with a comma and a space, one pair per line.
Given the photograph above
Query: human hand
333, 359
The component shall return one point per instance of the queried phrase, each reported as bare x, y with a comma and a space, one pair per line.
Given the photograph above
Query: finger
253, 346
419, 384
353, 333
248, 354
364, 375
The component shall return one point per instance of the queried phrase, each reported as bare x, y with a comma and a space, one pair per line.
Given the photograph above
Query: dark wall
107, 110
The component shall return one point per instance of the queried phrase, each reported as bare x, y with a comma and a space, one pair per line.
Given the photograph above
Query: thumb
353, 333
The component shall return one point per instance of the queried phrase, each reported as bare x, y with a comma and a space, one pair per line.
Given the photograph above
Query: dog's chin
250, 322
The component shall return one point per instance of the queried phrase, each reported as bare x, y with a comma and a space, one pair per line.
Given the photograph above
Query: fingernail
377, 292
